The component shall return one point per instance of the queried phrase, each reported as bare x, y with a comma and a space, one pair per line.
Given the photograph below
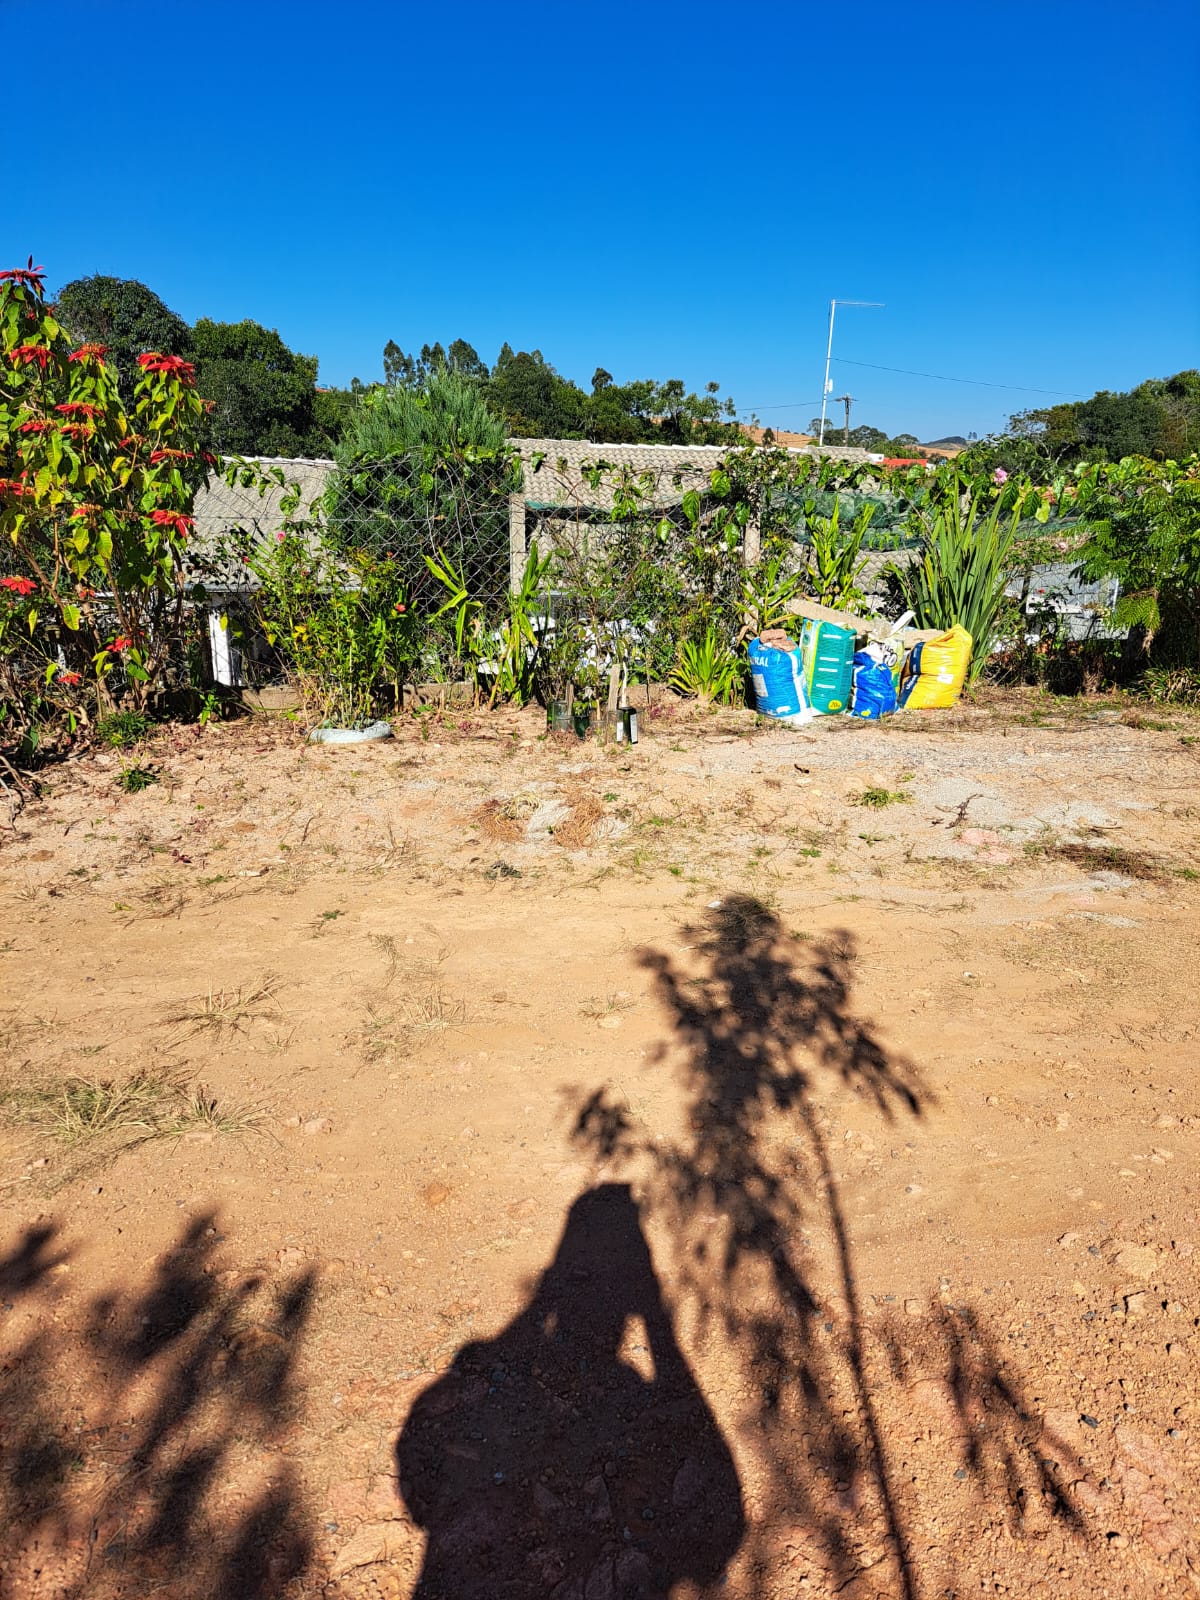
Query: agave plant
708, 669
965, 561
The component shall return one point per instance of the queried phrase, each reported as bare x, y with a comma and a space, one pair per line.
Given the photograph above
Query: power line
979, 383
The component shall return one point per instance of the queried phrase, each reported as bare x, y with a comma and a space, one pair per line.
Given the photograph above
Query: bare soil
758, 1164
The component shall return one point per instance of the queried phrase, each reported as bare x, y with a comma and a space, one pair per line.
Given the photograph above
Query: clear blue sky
662, 189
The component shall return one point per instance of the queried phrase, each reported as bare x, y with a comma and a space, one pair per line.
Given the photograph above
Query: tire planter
373, 731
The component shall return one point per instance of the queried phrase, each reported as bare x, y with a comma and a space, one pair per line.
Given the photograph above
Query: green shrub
965, 563
121, 729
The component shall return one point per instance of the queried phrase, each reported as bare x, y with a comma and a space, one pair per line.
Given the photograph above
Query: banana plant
521, 634
461, 605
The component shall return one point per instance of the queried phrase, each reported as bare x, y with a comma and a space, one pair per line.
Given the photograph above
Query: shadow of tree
140, 1449
761, 1262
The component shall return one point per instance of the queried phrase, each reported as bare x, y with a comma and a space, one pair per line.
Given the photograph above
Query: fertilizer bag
828, 651
778, 676
873, 693
936, 670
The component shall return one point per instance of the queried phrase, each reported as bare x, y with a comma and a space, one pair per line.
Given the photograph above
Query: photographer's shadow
573, 1456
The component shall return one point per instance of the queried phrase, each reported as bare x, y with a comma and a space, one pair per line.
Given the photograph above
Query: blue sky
666, 190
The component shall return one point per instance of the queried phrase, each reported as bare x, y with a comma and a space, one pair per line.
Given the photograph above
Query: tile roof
559, 478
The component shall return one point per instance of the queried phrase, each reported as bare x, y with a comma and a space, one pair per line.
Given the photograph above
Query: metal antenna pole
875, 305
825, 385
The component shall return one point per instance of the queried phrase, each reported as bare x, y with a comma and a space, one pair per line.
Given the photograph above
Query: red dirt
768, 1195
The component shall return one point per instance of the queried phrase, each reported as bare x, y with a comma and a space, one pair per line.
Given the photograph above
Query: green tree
534, 400
123, 315
263, 394
413, 371
448, 414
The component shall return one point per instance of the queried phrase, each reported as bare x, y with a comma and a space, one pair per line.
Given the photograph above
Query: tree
263, 393
95, 515
124, 316
1159, 419
449, 414
413, 371
534, 400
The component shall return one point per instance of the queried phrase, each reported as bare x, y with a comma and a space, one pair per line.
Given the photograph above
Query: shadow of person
574, 1455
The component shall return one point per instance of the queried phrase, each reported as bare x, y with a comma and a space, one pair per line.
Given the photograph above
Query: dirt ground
761, 1163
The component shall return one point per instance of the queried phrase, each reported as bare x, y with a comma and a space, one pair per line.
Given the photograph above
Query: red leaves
36, 427
120, 643
78, 430
86, 509
79, 408
170, 455
21, 586
88, 351
70, 679
29, 353
173, 519
11, 486
28, 277
173, 366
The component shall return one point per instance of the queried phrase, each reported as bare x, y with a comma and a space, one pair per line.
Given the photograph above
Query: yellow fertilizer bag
936, 670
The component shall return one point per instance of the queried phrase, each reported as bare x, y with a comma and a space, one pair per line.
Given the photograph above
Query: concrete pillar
517, 547
752, 542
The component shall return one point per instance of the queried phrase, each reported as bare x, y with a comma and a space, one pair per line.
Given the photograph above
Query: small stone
913, 1308
1066, 1240
435, 1194
316, 1125
612, 1021
1139, 1260
1135, 1304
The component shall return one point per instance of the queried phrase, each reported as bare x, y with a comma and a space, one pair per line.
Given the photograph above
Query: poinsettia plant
95, 515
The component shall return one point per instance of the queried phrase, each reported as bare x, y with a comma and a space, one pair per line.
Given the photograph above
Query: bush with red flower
95, 514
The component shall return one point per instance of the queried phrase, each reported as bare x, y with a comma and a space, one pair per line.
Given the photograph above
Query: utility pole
847, 400
827, 385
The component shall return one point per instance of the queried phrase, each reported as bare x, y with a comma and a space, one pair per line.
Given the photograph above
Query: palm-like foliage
967, 543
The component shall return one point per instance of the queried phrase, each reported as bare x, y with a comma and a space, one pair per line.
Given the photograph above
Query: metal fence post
516, 541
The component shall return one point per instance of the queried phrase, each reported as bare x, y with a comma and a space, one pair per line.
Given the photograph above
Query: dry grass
226, 1010
1139, 864
114, 1114
578, 829
609, 1005
504, 821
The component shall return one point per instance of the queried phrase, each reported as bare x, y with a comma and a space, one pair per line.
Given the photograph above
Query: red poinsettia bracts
120, 643
36, 427
21, 586
29, 277
27, 354
89, 351
79, 408
173, 519
78, 430
170, 455
174, 366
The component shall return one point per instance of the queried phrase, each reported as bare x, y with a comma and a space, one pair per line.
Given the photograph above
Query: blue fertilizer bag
873, 694
779, 683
